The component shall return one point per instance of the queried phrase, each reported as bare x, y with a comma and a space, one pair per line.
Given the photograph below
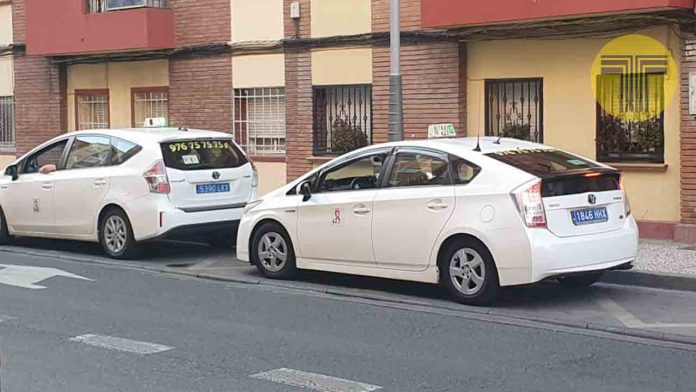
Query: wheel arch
103, 212
258, 226
463, 237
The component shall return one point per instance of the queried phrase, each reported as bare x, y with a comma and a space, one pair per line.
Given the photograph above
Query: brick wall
200, 92
686, 231
18, 21
202, 21
298, 94
410, 13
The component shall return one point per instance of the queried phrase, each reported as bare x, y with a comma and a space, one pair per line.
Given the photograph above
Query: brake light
627, 204
530, 205
156, 178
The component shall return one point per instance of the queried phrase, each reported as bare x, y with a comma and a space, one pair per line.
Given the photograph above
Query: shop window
91, 109
7, 124
514, 108
630, 118
259, 120
149, 102
342, 118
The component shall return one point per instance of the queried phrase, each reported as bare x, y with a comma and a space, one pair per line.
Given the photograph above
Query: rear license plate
213, 188
589, 215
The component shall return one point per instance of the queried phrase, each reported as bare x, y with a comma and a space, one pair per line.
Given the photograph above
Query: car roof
465, 145
156, 135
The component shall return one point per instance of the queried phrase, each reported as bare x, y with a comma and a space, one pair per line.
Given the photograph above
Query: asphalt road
185, 334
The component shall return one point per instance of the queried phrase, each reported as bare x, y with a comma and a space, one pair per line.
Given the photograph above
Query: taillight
156, 178
530, 205
627, 204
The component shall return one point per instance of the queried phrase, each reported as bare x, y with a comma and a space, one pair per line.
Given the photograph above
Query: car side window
416, 169
362, 173
463, 172
49, 156
88, 152
122, 150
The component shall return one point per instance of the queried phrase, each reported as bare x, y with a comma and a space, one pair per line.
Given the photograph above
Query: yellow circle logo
634, 77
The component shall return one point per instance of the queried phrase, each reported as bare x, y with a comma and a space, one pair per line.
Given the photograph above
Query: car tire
580, 281
272, 252
116, 235
468, 272
5, 236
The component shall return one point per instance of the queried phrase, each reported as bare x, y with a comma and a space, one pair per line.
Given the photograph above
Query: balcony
458, 13
70, 27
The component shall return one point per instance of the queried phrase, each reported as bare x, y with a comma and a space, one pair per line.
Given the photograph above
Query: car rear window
544, 163
202, 154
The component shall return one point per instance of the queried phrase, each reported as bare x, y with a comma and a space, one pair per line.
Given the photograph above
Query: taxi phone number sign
198, 145
441, 130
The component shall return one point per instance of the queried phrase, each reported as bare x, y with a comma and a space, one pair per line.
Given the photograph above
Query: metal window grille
97, 6
7, 124
92, 111
259, 120
149, 104
342, 118
515, 108
630, 118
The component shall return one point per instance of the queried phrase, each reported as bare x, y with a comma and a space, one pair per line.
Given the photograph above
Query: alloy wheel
115, 234
467, 271
273, 251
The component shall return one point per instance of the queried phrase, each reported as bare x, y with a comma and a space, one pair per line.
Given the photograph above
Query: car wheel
579, 281
116, 235
468, 271
5, 236
272, 252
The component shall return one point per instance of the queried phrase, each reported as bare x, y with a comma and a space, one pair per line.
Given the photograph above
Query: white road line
120, 344
313, 381
620, 313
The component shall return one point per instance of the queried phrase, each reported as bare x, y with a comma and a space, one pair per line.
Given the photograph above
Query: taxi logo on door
338, 216
37, 205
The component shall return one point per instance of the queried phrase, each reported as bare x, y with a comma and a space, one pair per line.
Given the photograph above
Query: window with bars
149, 102
259, 120
342, 118
515, 108
97, 6
7, 124
630, 118
92, 109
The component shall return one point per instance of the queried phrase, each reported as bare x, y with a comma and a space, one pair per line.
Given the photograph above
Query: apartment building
297, 82
7, 132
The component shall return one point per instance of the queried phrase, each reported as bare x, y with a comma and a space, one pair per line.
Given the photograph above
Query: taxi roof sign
437, 131
155, 122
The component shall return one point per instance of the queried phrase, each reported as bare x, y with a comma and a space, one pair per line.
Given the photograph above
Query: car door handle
100, 182
47, 186
361, 209
437, 205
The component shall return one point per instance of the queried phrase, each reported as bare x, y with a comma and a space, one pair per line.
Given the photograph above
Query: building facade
297, 82
7, 132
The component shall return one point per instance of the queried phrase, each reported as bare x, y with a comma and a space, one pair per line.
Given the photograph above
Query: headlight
251, 205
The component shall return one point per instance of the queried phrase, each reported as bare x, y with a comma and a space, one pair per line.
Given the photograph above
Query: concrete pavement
226, 336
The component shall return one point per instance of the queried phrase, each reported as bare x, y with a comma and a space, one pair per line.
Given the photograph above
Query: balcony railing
98, 6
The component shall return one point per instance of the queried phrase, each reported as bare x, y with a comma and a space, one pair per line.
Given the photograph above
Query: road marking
27, 277
120, 344
629, 320
313, 381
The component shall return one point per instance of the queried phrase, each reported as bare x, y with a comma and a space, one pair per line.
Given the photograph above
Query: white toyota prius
470, 215
120, 187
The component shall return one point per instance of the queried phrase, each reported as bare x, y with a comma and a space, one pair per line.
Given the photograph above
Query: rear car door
83, 184
412, 209
208, 174
335, 224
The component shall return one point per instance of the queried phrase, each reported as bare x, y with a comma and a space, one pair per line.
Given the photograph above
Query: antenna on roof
478, 142
183, 129
499, 137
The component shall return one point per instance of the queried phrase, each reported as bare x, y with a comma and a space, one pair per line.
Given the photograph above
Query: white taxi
121, 187
472, 215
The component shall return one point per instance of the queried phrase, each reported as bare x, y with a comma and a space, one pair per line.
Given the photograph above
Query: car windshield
544, 162
202, 154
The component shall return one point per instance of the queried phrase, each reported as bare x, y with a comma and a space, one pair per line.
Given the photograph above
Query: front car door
412, 209
335, 224
82, 185
29, 201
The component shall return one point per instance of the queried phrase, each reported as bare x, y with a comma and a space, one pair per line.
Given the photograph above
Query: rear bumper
200, 231
555, 256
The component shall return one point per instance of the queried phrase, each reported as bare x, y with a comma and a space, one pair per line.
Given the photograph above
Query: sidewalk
666, 257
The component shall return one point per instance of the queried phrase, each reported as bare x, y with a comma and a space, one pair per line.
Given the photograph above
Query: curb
653, 280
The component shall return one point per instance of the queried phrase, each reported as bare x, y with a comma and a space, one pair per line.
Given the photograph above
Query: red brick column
686, 230
202, 21
298, 94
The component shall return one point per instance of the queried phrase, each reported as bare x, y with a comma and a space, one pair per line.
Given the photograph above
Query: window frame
71, 144
488, 83
237, 123
92, 92
136, 149
453, 173
11, 146
154, 89
61, 162
433, 153
321, 175
323, 151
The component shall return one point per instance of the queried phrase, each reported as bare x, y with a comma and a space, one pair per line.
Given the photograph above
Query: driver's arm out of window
46, 169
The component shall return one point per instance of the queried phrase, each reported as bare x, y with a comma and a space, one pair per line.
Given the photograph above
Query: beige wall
271, 175
570, 111
5, 161
257, 20
341, 17
6, 76
5, 24
258, 71
119, 78
342, 66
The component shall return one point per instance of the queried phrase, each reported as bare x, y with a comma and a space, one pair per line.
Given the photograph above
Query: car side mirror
12, 172
306, 190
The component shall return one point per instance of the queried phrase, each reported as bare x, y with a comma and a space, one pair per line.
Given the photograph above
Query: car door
30, 200
82, 185
412, 208
335, 224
